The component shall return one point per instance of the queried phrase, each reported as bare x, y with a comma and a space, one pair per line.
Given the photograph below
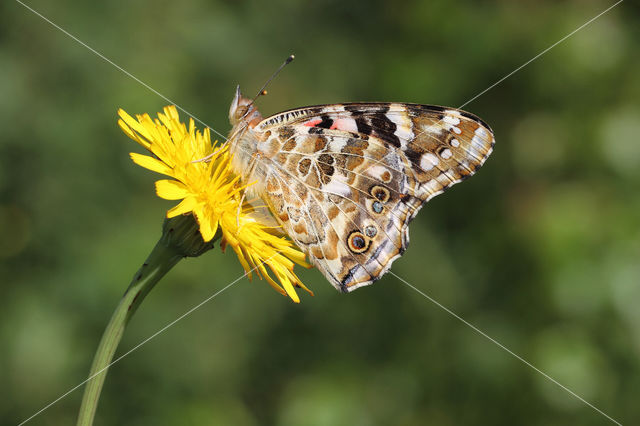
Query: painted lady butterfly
345, 180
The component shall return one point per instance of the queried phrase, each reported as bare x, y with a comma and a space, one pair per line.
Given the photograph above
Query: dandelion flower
213, 194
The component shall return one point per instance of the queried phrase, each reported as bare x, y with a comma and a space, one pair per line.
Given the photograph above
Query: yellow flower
212, 193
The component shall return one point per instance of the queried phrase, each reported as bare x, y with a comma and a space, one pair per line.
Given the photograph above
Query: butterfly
345, 180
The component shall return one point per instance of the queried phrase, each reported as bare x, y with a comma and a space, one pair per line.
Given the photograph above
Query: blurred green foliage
540, 250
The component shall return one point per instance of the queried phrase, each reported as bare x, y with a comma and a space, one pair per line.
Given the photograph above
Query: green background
540, 250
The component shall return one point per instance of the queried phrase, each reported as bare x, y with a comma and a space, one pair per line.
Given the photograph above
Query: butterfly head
243, 140
243, 110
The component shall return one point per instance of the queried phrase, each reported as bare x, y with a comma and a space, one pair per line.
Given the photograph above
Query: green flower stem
159, 262
180, 238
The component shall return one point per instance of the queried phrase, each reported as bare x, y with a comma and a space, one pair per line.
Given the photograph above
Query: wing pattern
344, 181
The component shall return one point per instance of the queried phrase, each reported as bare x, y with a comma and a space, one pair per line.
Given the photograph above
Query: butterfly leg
252, 167
210, 156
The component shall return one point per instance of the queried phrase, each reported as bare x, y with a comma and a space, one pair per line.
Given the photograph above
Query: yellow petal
297, 256
286, 284
236, 248
271, 281
187, 205
151, 163
208, 225
301, 285
172, 112
134, 124
126, 129
171, 189
208, 232
133, 135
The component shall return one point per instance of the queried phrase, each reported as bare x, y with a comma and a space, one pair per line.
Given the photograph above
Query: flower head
212, 193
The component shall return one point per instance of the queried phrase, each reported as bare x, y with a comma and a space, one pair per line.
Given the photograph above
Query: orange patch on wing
313, 123
300, 228
317, 252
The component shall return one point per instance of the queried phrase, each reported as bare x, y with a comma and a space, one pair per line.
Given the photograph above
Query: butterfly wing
347, 179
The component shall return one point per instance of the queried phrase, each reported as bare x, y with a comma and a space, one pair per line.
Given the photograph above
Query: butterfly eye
357, 242
381, 193
241, 110
371, 231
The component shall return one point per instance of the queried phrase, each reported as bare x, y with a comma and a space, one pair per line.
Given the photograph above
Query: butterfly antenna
263, 91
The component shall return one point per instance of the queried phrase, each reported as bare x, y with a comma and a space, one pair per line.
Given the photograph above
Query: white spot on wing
346, 124
480, 131
455, 143
404, 134
335, 186
376, 171
428, 161
337, 144
449, 119
446, 153
403, 123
